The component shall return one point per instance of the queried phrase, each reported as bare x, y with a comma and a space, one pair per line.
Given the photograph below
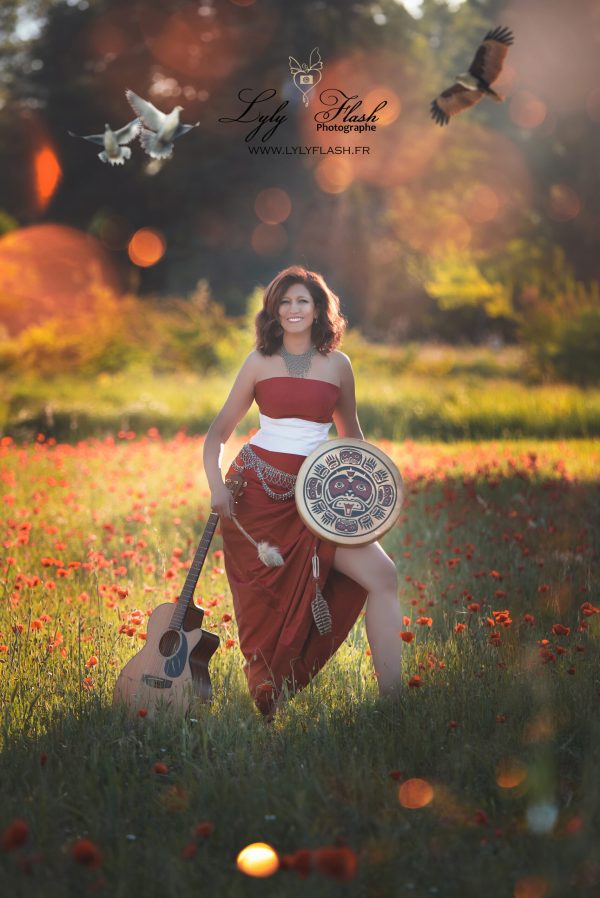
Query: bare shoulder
342, 363
251, 365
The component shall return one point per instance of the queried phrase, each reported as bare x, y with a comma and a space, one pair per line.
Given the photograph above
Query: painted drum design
349, 491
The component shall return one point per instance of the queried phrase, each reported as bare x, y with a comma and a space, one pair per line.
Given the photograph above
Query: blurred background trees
485, 231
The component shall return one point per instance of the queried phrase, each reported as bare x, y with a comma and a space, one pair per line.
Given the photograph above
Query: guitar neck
186, 596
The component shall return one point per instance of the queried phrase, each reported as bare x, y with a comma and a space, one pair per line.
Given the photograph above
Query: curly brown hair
327, 330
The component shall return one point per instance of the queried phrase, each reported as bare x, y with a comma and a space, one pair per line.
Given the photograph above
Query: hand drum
349, 492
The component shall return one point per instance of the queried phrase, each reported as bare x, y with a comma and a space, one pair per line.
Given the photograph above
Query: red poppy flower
85, 852
415, 681
160, 768
15, 834
339, 863
395, 774
300, 862
189, 851
204, 829
407, 636
560, 630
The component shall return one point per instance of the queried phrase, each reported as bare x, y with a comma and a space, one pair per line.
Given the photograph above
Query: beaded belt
265, 472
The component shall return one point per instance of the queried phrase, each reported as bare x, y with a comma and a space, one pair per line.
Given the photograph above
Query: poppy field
479, 776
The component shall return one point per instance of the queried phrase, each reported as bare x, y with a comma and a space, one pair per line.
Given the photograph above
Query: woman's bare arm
345, 417
234, 408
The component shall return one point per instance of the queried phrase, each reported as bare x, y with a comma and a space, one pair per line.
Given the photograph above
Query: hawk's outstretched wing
452, 100
487, 63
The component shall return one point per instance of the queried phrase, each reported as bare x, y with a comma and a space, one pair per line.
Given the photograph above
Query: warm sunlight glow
258, 859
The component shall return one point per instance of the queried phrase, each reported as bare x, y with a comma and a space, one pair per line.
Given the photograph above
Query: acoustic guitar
171, 670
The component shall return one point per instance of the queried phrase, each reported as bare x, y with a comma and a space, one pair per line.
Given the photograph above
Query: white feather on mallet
268, 554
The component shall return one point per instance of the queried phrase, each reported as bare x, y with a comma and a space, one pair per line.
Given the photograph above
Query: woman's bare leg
374, 570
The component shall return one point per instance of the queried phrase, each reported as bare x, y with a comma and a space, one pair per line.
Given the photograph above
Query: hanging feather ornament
319, 606
269, 555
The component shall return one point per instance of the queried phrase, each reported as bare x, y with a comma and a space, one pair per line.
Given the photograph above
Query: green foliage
559, 316
458, 282
121, 332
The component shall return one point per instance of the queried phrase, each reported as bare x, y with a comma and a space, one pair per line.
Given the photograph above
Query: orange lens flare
47, 175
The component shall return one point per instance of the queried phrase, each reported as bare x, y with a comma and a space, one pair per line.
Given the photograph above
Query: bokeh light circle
390, 112
146, 247
258, 859
526, 110
272, 205
481, 204
334, 175
268, 240
415, 793
510, 773
562, 203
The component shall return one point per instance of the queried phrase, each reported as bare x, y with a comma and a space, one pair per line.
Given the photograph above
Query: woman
300, 382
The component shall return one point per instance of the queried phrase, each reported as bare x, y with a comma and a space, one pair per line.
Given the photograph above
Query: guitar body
171, 670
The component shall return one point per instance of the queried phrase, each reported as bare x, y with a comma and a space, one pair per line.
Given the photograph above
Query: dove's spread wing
452, 100
94, 138
128, 132
183, 129
315, 61
488, 60
294, 65
152, 117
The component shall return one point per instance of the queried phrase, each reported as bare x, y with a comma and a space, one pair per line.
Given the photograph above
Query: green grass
434, 393
509, 525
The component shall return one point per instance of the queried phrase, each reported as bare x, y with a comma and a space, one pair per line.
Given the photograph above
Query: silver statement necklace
297, 365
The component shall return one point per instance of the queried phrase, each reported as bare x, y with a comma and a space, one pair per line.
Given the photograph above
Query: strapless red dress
278, 636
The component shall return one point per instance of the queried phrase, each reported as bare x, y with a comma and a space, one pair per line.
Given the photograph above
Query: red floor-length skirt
278, 636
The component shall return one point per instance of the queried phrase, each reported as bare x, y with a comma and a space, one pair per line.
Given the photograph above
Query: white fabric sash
293, 435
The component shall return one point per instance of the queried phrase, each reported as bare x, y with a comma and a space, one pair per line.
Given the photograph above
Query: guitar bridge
156, 682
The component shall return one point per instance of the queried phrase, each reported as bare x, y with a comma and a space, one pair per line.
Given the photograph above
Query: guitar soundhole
169, 643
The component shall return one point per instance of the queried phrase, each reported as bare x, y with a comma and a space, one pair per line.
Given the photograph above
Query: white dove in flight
112, 141
161, 128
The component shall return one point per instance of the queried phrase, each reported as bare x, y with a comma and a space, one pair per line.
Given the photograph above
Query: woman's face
297, 310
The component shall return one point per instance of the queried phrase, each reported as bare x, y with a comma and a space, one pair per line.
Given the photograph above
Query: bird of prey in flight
112, 141
471, 86
161, 129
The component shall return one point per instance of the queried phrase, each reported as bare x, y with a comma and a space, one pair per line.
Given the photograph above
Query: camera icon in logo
306, 79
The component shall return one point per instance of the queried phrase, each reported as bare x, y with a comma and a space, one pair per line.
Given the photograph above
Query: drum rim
366, 538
